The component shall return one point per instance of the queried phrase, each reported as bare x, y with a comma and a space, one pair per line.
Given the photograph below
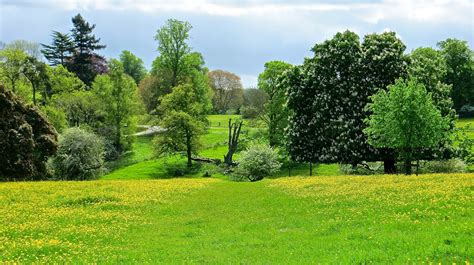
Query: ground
351, 219
141, 213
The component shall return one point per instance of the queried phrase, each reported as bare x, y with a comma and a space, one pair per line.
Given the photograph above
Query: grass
343, 219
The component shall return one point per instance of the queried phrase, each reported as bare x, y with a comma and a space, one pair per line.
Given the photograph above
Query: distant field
343, 219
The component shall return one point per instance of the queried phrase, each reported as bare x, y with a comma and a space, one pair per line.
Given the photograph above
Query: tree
276, 112
404, 118
36, 73
80, 155
183, 122
118, 94
254, 102
85, 63
233, 141
460, 71
63, 81
173, 49
150, 90
133, 66
384, 62
12, 62
30, 48
61, 49
228, 91
428, 67
27, 139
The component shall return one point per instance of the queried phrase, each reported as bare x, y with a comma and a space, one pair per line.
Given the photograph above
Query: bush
445, 166
80, 155
466, 111
258, 161
369, 168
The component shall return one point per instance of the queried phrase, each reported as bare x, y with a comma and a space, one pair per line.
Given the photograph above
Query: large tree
133, 66
60, 50
275, 109
27, 139
173, 48
119, 98
36, 73
228, 91
85, 62
404, 118
460, 71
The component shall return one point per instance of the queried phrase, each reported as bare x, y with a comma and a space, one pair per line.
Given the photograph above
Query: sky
240, 36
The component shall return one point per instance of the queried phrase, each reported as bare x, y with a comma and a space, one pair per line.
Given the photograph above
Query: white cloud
370, 12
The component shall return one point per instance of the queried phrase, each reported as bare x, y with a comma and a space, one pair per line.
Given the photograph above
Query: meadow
141, 213
348, 219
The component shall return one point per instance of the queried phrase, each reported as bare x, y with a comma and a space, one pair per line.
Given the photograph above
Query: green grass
338, 219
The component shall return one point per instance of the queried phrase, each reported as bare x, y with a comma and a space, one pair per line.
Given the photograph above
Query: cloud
369, 12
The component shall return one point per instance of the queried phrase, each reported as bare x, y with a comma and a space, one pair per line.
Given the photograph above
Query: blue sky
240, 36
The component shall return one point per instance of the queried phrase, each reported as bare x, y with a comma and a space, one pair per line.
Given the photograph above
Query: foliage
460, 71
63, 81
61, 49
30, 48
183, 121
228, 91
56, 117
151, 90
80, 155
27, 139
405, 118
276, 112
255, 99
119, 101
258, 161
133, 66
36, 73
85, 63
12, 62
249, 112
455, 165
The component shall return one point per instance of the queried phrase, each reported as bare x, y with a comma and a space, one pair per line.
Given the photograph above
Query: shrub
455, 165
466, 111
258, 161
80, 155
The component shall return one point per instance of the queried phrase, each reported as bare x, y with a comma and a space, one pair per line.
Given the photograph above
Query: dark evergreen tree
84, 61
61, 49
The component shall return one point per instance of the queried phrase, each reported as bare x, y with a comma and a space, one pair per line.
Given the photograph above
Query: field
141, 213
382, 219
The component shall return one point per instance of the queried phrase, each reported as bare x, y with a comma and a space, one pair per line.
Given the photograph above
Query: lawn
343, 219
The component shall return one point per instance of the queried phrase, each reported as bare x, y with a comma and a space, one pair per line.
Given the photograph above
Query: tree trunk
389, 166
407, 166
34, 93
310, 169
188, 149
233, 141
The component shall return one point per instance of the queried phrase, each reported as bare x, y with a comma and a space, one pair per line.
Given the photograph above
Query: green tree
12, 62
36, 73
183, 120
460, 71
173, 48
118, 95
429, 68
404, 118
61, 49
276, 112
133, 66
30, 48
27, 139
63, 81
85, 62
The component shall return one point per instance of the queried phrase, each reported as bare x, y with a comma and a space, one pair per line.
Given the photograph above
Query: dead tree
234, 133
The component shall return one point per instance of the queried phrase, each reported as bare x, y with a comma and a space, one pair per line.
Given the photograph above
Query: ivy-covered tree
460, 71
276, 113
133, 66
27, 139
60, 50
404, 118
85, 62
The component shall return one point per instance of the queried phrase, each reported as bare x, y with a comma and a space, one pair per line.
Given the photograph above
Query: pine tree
85, 43
61, 49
